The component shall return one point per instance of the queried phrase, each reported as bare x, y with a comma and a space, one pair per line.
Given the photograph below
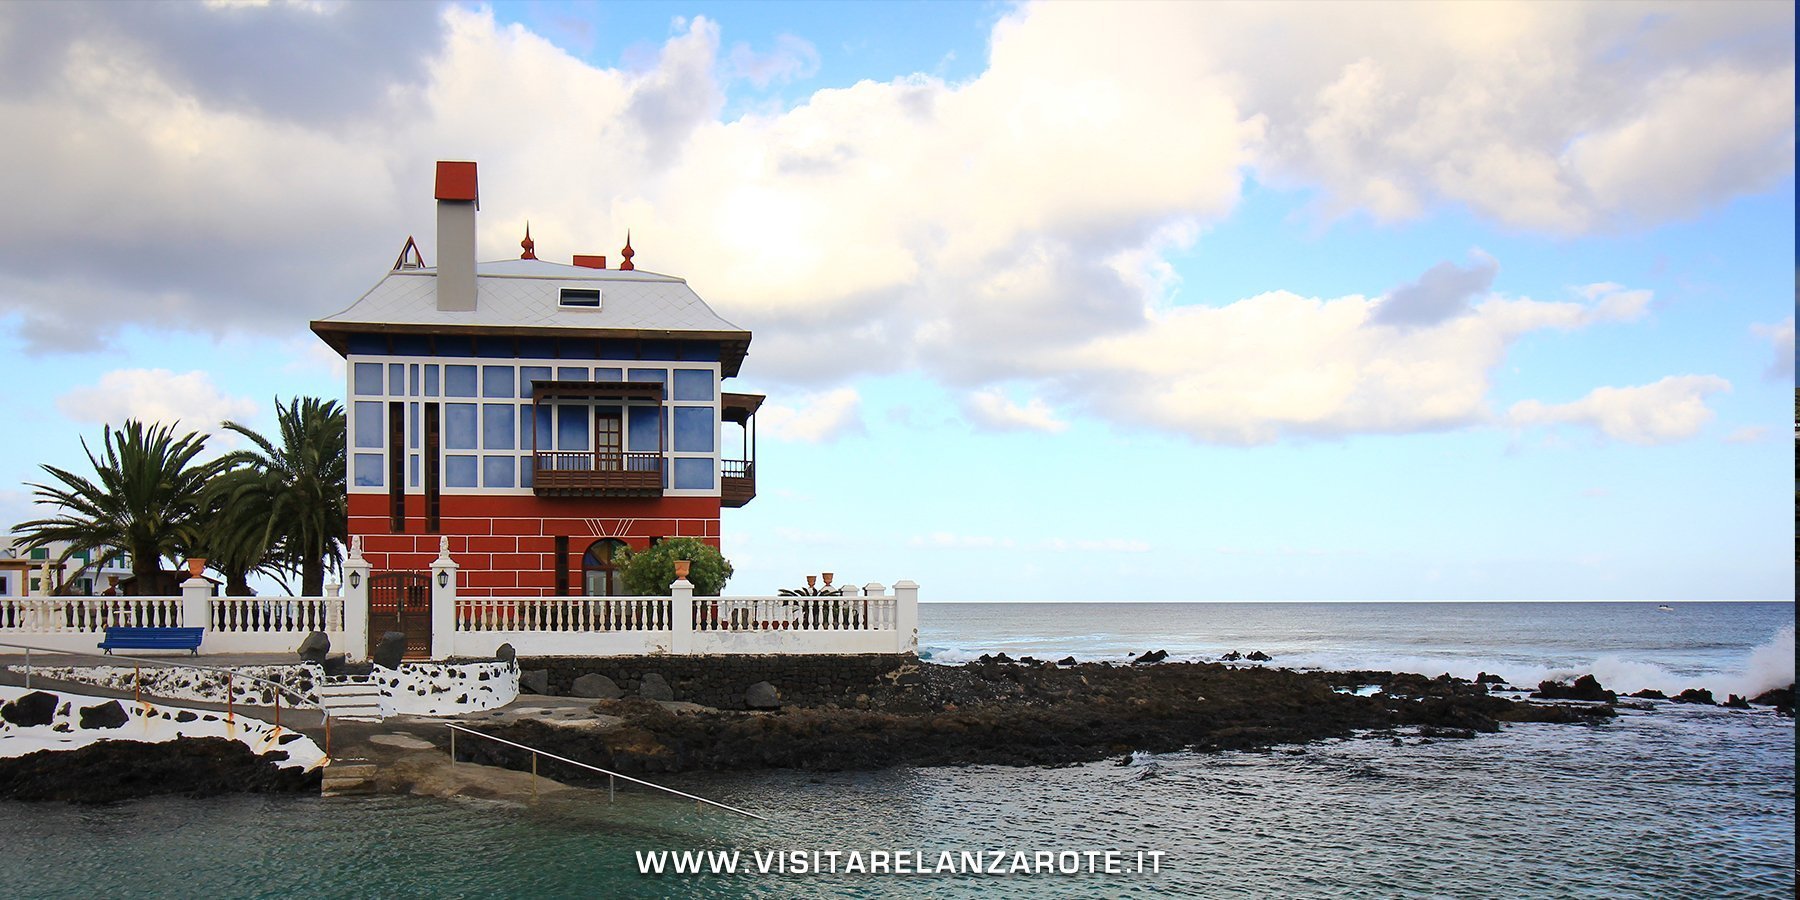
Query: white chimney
457, 200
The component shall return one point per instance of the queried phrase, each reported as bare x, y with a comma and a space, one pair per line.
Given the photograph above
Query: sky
1057, 301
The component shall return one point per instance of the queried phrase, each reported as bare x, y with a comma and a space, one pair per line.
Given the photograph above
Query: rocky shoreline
110, 771
1025, 712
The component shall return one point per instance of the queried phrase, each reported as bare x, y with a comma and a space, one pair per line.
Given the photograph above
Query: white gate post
356, 603
443, 602
906, 616
196, 603
681, 617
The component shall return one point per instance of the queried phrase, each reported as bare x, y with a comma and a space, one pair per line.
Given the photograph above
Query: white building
24, 572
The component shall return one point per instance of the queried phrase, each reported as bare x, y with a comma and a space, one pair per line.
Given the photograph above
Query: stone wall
720, 681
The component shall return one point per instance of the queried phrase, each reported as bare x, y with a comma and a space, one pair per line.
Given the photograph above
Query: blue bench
153, 639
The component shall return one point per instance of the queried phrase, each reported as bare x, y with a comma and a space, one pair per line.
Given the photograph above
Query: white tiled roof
525, 293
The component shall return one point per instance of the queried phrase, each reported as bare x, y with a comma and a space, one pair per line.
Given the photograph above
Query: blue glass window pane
572, 428
566, 373
544, 435
368, 379
459, 471
529, 374
412, 379
415, 426
525, 470
459, 381
649, 375
396, 379
693, 384
693, 474
609, 374
497, 381
459, 426
431, 380
368, 424
414, 466
693, 429
368, 470
497, 471
642, 425
497, 426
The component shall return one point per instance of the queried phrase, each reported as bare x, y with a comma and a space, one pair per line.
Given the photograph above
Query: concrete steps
347, 778
351, 702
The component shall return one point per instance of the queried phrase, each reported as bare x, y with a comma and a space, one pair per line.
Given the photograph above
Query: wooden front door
401, 601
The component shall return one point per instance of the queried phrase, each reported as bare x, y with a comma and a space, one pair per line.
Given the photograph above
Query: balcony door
609, 442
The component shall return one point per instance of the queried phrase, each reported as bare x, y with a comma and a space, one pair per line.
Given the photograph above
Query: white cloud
991, 408
814, 418
792, 58
1665, 411
1280, 365
1781, 337
1011, 229
1749, 434
156, 396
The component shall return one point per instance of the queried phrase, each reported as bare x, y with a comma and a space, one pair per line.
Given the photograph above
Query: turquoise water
1676, 800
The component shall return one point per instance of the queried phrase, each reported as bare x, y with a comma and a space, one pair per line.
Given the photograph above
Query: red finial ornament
530, 247
627, 253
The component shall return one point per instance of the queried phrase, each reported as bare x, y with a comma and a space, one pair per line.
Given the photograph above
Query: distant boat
1665, 608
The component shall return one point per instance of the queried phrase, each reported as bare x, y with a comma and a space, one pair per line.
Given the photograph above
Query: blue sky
1066, 302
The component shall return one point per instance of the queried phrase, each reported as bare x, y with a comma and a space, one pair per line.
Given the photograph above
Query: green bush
649, 573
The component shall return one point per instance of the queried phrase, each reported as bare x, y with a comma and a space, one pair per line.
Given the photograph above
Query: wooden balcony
737, 482
589, 474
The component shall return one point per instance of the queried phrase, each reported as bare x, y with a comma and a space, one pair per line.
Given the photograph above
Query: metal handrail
324, 714
536, 753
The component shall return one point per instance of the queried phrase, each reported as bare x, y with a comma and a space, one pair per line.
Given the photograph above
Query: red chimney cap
590, 261
456, 181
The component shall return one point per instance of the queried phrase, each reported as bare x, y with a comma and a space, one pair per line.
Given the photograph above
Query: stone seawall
720, 681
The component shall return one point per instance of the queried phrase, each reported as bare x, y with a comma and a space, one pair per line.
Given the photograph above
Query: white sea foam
1769, 665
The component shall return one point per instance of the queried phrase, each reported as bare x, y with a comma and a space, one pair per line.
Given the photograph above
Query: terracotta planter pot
682, 567
196, 565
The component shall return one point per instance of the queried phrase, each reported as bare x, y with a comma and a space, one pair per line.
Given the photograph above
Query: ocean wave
1767, 666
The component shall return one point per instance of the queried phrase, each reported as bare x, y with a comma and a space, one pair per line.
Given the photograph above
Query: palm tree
236, 537
147, 501
298, 486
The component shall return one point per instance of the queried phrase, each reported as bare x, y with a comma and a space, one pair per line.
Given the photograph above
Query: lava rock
1233, 656
110, 771
1735, 702
314, 648
1066, 661
535, 681
1485, 678
106, 715
1154, 656
1258, 656
390, 650
1650, 694
596, 686
655, 688
1696, 695
1587, 687
762, 695
35, 708
505, 653
1780, 698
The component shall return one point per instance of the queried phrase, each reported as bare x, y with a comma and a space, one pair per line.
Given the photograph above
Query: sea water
1668, 801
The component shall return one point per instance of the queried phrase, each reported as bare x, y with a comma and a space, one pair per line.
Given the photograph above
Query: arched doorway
599, 576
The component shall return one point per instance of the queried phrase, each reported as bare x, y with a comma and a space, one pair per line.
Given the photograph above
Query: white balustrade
270, 615
90, 615
562, 614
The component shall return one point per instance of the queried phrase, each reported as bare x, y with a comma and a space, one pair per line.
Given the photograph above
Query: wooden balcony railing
591, 474
737, 482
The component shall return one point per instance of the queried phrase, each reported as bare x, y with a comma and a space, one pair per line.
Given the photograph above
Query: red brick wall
506, 546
